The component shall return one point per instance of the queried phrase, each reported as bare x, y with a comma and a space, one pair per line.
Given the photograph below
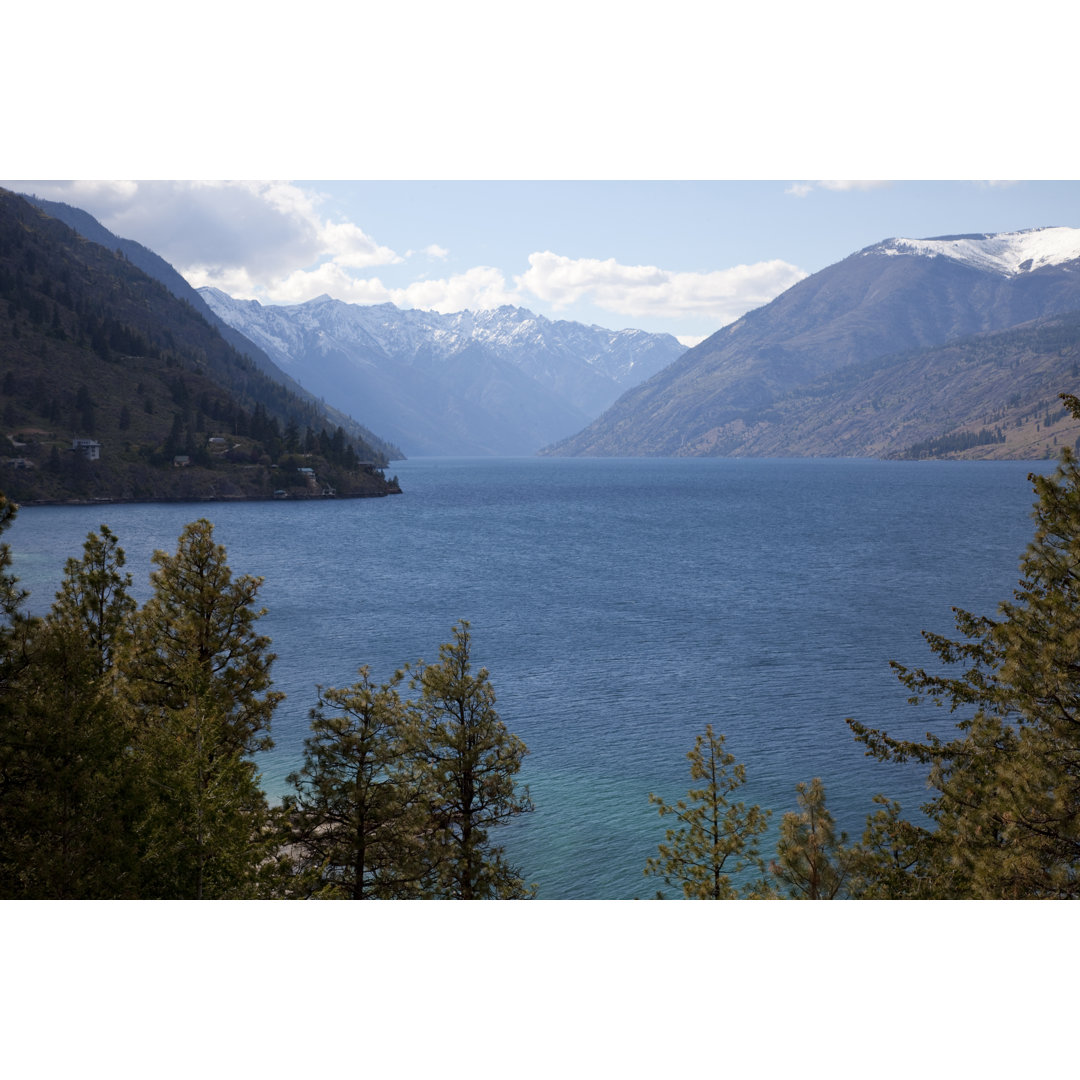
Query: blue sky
683, 257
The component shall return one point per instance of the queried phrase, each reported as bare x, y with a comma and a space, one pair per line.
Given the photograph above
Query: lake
620, 606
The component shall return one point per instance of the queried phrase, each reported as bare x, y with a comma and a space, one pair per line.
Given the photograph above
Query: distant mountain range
504, 382
954, 345
947, 346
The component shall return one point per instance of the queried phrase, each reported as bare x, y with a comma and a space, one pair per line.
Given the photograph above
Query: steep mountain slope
153, 265
112, 388
501, 382
895, 297
991, 395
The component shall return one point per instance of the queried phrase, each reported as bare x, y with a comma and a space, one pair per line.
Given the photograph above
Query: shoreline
210, 499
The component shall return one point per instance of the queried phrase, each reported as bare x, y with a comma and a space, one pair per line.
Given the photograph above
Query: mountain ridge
487, 382
1008, 253
867, 306
154, 266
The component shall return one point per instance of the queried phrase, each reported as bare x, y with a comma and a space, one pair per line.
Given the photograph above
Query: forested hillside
991, 395
112, 388
154, 266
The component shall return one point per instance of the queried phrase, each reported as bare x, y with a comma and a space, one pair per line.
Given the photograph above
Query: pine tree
715, 839
354, 822
11, 596
198, 679
18, 759
812, 862
94, 598
892, 861
1007, 805
71, 800
470, 761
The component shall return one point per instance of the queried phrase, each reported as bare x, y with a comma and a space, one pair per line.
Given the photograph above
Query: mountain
991, 395
153, 265
501, 382
778, 381
112, 388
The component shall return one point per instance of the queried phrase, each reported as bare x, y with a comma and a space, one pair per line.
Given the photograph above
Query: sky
680, 257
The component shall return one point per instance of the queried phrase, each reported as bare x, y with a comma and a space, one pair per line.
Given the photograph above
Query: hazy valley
486, 383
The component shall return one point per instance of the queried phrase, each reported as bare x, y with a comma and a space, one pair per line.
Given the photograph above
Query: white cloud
272, 241
478, 289
803, 188
852, 185
268, 241
641, 291
349, 246
101, 193
225, 231
633, 291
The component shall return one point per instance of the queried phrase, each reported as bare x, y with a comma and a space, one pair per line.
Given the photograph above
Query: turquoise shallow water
620, 605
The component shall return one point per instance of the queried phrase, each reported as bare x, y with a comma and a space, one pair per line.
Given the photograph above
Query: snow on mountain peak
1007, 254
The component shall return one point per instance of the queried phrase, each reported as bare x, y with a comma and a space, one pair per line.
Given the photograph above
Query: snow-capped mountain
1001, 253
502, 382
889, 300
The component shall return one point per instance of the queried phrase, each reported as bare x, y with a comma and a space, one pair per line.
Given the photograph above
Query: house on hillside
89, 448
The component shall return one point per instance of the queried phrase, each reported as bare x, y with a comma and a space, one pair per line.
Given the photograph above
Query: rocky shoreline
101, 482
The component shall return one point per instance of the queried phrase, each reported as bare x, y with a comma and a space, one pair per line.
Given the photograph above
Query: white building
89, 448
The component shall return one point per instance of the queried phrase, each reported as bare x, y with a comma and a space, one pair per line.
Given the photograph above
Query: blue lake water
620, 606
